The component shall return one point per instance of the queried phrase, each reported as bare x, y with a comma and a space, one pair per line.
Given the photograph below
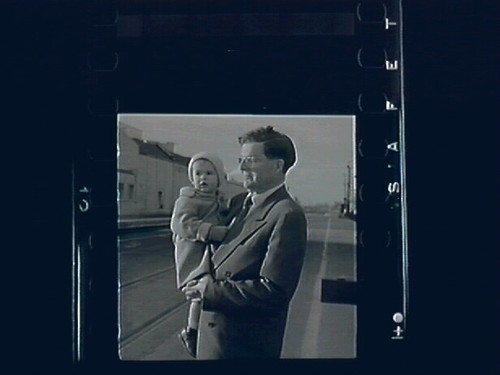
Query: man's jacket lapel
253, 222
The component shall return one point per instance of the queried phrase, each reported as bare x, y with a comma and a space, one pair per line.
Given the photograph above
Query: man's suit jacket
256, 272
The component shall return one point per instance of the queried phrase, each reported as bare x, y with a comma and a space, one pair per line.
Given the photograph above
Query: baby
198, 213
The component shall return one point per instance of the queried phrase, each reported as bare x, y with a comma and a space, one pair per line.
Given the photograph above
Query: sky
325, 145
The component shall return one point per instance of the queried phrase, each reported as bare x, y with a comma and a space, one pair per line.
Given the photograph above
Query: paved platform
133, 223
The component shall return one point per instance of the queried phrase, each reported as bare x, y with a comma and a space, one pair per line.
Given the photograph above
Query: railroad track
147, 277
147, 273
149, 325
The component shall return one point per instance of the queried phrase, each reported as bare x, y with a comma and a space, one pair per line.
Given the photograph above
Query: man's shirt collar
258, 199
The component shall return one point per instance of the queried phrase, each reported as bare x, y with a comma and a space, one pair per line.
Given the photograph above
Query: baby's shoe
189, 337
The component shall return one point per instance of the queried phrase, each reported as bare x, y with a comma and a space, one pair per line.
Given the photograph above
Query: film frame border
379, 111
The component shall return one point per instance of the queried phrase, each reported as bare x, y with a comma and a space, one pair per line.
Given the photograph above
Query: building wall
128, 169
160, 181
180, 179
149, 186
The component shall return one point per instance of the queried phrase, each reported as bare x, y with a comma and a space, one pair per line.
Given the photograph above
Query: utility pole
348, 188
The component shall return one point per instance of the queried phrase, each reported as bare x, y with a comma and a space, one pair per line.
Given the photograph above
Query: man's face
205, 176
259, 172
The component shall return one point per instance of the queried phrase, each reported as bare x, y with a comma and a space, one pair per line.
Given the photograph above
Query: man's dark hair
276, 144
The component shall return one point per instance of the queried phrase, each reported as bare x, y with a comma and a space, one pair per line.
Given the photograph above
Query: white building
150, 175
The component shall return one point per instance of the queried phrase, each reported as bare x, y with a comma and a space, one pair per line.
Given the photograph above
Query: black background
451, 106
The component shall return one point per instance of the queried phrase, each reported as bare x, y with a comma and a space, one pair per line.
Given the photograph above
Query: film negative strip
168, 79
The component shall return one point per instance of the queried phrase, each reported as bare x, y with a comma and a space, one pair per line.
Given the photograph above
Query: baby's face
204, 176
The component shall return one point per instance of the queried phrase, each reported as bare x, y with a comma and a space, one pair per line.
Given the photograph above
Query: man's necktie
237, 224
247, 203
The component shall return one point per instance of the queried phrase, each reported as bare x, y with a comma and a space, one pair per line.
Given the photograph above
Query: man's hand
195, 288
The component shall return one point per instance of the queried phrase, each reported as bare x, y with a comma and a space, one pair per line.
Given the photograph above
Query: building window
131, 191
160, 199
120, 191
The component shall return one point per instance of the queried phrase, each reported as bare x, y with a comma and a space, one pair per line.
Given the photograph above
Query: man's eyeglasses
251, 160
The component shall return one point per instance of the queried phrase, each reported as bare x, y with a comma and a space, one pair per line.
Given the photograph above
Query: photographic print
155, 165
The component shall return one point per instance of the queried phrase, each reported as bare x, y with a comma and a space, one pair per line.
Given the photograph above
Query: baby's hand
217, 233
